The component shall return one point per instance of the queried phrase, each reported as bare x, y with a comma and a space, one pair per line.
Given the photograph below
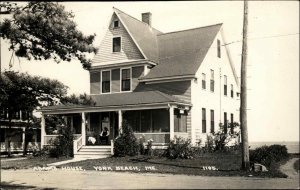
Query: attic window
219, 48
116, 24
117, 44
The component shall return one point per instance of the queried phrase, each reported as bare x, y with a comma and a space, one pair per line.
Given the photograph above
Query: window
231, 123
180, 117
126, 86
231, 91
212, 121
150, 121
219, 48
117, 44
116, 24
225, 85
203, 81
203, 120
225, 122
105, 81
212, 81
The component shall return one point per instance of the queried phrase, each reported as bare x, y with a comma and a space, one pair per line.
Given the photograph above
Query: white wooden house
181, 83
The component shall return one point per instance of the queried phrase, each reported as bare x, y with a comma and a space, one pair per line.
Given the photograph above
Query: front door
98, 122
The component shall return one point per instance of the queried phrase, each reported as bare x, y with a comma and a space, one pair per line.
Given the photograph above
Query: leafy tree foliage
20, 91
82, 99
43, 30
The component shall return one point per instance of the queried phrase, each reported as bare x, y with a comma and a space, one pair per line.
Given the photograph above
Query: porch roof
122, 100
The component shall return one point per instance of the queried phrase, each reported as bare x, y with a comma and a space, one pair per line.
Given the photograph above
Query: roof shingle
181, 53
144, 35
125, 99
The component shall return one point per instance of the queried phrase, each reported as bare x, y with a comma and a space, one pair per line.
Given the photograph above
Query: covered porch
159, 120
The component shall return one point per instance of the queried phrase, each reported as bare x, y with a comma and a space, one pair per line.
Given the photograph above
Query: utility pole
243, 112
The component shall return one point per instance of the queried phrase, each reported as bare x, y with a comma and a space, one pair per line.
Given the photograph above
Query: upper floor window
105, 81
116, 24
212, 80
231, 90
219, 48
203, 81
225, 85
126, 80
117, 44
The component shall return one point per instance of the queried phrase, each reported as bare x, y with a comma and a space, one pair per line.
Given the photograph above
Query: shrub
209, 144
223, 136
149, 147
126, 143
180, 148
141, 145
62, 145
267, 155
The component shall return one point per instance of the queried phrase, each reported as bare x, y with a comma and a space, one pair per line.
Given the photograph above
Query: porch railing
77, 144
112, 147
156, 137
49, 138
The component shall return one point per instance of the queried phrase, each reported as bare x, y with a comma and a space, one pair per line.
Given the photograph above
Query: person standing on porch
104, 135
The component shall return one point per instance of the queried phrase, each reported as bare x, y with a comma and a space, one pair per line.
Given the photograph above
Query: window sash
203, 84
180, 122
212, 85
117, 44
219, 48
105, 81
125, 84
225, 122
116, 24
212, 121
203, 120
225, 89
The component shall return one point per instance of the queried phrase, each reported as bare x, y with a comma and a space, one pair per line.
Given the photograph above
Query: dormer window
117, 44
116, 24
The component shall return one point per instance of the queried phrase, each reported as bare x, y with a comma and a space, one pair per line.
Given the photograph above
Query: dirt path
289, 170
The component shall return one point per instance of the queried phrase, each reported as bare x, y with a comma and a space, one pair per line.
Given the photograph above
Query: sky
273, 52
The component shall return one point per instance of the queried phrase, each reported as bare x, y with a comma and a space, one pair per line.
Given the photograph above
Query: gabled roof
144, 36
121, 100
181, 53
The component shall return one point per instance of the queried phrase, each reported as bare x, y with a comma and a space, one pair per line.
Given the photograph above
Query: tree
44, 30
21, 91
82, 99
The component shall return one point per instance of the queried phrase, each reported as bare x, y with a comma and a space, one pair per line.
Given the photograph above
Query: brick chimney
147, 18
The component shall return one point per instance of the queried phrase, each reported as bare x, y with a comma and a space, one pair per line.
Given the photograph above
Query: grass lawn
28, 163
226, 163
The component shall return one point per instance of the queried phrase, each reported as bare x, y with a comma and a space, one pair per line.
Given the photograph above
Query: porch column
120, 121
23, 137
171, 112
43, 131
83, 130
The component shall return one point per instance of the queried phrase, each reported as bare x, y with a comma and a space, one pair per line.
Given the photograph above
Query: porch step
93, 152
